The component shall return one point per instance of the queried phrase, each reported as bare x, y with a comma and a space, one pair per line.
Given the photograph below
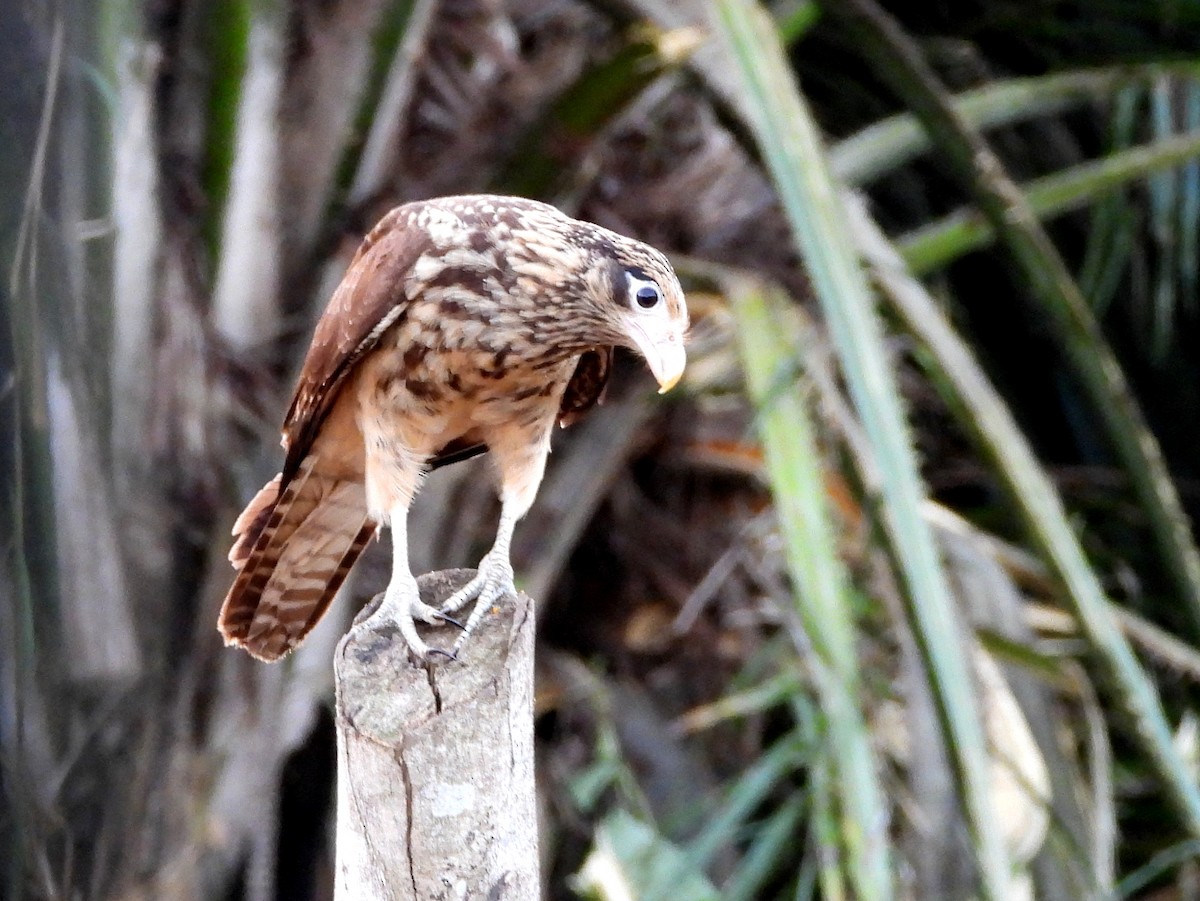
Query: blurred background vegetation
896, 597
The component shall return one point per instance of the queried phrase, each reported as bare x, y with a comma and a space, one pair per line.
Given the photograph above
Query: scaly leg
494, 580
520, 464
401, 602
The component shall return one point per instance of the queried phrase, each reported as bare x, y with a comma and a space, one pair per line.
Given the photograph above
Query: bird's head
606, 289
641, 303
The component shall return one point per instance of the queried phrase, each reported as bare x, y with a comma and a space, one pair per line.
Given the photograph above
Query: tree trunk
435, 766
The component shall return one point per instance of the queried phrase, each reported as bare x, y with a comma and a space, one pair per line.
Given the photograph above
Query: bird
463, 325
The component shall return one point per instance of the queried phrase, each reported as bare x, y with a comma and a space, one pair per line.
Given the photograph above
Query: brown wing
300, 535
369, 300
586, 388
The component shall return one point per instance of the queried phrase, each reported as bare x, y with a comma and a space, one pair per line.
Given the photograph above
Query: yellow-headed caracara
463, 324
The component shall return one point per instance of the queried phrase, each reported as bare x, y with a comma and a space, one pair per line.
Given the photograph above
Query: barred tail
292, 551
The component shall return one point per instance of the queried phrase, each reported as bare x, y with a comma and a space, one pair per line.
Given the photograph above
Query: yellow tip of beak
664, 355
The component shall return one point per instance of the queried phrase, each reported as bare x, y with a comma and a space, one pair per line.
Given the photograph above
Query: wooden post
435, 767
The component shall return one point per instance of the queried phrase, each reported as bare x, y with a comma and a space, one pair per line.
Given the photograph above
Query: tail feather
293, 550
252, 521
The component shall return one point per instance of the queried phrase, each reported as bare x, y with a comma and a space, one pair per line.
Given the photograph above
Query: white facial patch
646, 300
653, 330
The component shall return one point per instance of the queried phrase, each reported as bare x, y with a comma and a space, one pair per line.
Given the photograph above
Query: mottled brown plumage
463, 324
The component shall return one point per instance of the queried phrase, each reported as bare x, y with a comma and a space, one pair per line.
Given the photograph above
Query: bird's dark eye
647, 296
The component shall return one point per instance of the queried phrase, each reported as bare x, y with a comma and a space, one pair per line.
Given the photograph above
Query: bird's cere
463, 325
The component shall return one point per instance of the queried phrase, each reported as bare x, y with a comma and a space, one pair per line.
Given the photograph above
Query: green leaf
792, 148
770, 849
895, 141
768, 337
632, 860
940, 243
1041, 508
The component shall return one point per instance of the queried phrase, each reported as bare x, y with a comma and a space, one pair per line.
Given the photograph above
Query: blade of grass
1043, 514
1104, 835
736, 705
824, 605
791, 146
940, 243
824, 826
796, 19
631, 859
1111, 232
745, 794
898, 62
1163, 195
771, 847
1164, 860
1189, 206
896, 140
788, 755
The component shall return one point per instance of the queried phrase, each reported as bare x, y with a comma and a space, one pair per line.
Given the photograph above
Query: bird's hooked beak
661, 343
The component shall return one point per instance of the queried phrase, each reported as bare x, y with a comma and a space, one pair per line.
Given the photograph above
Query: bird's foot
402, 606
492, 583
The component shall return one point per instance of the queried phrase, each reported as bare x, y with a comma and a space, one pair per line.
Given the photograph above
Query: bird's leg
401, 602
520, 460
494, 579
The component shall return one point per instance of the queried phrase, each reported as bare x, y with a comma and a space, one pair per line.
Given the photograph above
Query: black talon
449, 655
447, 618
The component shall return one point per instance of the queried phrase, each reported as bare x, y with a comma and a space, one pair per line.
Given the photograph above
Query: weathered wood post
435, 767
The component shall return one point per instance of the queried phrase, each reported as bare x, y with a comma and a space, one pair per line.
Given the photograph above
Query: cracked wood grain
435, 767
